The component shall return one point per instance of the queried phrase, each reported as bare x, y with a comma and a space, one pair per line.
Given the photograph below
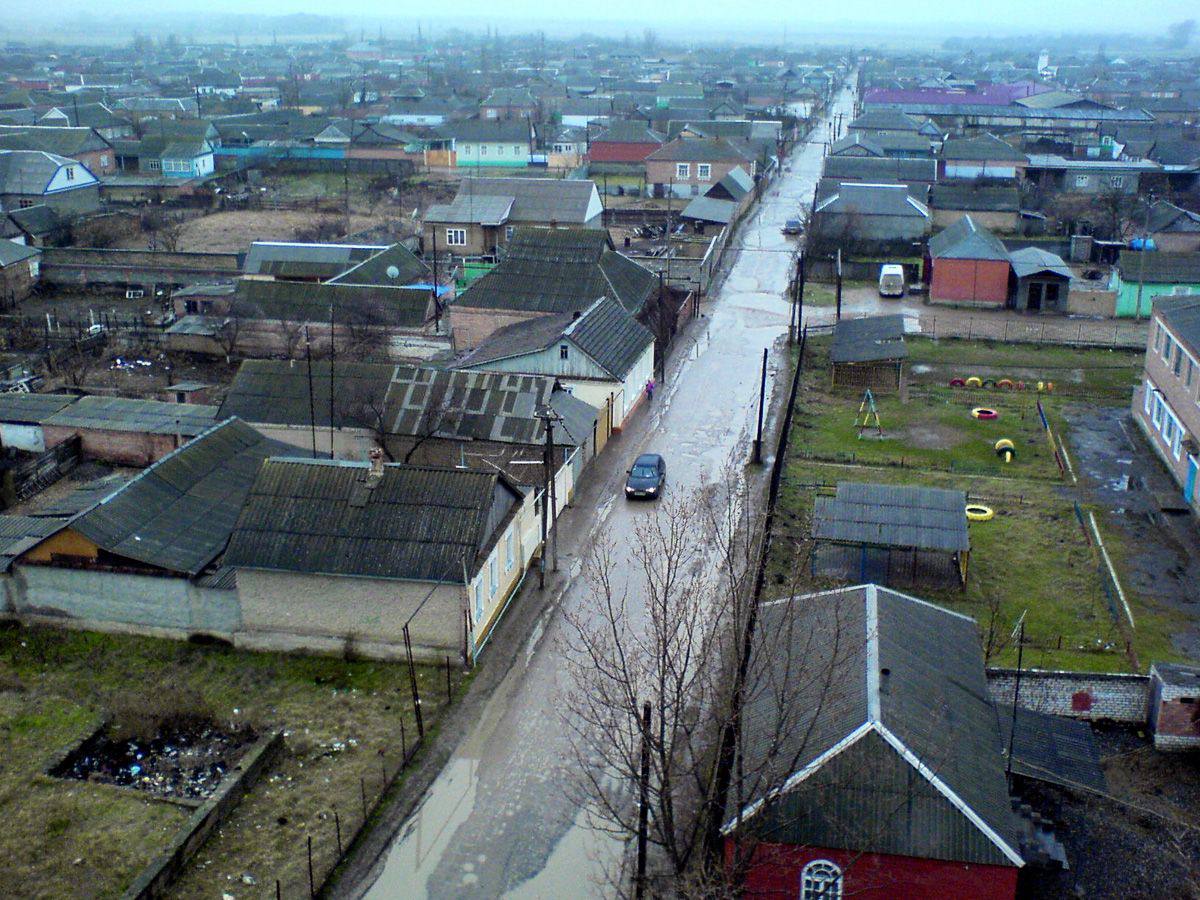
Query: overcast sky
683, 17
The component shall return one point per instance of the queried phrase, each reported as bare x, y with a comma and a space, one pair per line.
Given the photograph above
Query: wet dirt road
498, 821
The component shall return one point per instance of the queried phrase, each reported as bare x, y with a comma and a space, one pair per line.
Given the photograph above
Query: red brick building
971, 266
626, 142
873, 761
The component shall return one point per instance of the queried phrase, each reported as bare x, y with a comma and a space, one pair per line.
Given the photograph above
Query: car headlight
652, 490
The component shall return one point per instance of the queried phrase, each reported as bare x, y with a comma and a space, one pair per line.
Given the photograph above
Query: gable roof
12, 252
966, 239
1159, 266
31, 171
1169, 218
629, 131
332, 517
394, 266
871, 715
560, 270
699, 150
873, 169
289, 259
885, 120
32, 408
873, 200
306, 301
856, 140
60, 141
880, 515
1034, 260
981, 148
484, 131
611, 337
1182, 316
178, 514
142, 416
968, 196
565, 201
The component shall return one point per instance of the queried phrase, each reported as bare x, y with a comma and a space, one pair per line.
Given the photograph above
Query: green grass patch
342, 719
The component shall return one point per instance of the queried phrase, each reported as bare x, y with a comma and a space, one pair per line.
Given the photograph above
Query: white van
891, 280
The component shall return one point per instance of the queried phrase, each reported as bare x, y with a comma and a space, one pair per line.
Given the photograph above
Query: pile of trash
183, 764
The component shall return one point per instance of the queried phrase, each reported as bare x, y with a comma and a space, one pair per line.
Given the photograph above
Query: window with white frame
516, 149
479, 599
1148, 396
1116, 181
1081, 181
564, 351
493, 578
500, 150
1158, 337
1177, 368
103, 160
456, 237
70, 173
509, 231
508, 551
1191, 372
683, 170
1168, 342
821, 880
483, 149
1156, 412
703, 171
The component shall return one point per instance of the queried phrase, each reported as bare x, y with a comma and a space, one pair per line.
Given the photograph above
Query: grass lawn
341, 718
1033, 557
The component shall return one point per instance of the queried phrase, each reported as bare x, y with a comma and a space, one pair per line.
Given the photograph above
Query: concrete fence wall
1079, 695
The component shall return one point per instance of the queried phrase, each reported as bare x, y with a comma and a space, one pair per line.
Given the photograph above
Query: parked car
647, 477
891, 280
793, 226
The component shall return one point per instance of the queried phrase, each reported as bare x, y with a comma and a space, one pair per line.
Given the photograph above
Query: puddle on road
579, 866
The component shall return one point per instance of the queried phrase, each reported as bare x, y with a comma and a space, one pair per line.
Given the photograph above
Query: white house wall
22, 437
60, 182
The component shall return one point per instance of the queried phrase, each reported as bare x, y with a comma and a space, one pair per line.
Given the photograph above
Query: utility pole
331, 392
839, 284
1137, 310
762, 399
312, 404
549, 496
1012, 732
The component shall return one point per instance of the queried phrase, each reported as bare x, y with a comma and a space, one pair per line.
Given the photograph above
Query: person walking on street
650, 389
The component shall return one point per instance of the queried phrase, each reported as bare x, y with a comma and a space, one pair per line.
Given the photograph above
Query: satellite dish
393, 272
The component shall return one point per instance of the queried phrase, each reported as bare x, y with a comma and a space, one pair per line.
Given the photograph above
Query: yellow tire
978, 513
974, 381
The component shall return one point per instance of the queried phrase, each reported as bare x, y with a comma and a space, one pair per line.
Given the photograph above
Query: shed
891, 533
1175, 706
1043, 280
971, 266
868, 353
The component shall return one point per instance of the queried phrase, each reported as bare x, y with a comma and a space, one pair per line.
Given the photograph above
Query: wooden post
337, 824
312, 887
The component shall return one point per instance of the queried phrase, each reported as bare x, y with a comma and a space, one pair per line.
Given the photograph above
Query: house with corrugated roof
602, 355
34, 177
333, 553
873, 763
970, 266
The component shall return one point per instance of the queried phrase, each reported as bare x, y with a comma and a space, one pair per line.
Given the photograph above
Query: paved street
498, 821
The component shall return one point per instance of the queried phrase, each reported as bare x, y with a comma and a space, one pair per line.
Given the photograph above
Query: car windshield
644, 472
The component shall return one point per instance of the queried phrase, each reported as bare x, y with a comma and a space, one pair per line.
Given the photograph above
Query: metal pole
1012, 732
553, 493
762, 399
643, 805
547, 460
839, 284
331, 391
312, 405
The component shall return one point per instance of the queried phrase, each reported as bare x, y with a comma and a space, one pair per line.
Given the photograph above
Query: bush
168, 706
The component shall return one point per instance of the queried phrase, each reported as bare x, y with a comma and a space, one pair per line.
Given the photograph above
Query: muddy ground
1120, 472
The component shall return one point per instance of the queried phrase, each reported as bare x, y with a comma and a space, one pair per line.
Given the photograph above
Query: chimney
376, 474
554, 223
884, 677
576, 316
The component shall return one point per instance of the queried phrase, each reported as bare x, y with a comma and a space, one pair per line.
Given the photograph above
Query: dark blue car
647, 477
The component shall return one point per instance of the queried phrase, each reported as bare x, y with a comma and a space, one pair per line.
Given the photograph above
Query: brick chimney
376, 474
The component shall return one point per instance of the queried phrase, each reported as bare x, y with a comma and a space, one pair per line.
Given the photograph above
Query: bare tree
227, 334
433, 417
291, 335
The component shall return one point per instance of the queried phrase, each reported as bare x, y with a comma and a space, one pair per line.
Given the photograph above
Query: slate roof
541, 200
61, 141
870, 715
970, 197
869, 339
20, 533
142, 416
856, 140
710, 209
38, 219
698, 150
982, 148
560, 270
871, 169
1159, 267
604, 331
1168, 218
873, 200
903, 516
1182, 315
1052, 748
329, 517
483, 131
629, 131
885, 120
966, 239
1034, 260
32, 408
394, 266
292, 260
12, 252
276, 392
179, 513
361, 304
30, 171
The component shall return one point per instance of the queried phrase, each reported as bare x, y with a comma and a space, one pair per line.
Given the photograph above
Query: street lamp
548, 415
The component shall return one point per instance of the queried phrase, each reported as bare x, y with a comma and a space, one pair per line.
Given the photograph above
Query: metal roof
567, 201
710, 209
864, 199
869, 727
411, 522
178, 514
901, 516
869, 339
981, 148
143, 416
1034, 260
378, 269
1159, 267
466, 209
869, 168
970, 197
305, 260
357, 304
1182, 316
19, 533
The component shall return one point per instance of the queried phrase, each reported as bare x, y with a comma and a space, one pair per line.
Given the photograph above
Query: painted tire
1020, 385
974, 381
982, 412
1005, 384
957, 382
989, 383
979, 513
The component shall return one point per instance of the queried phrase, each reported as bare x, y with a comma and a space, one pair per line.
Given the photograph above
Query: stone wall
1079, 695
